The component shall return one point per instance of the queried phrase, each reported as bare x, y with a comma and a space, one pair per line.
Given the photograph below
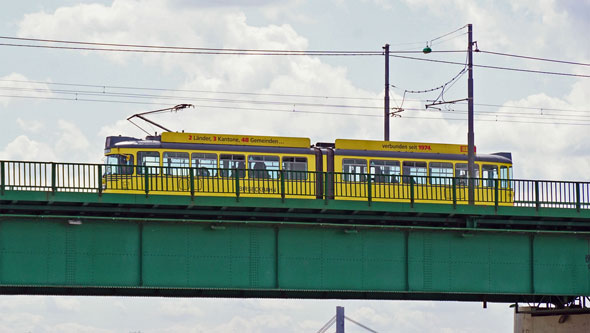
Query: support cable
361, 325
449, 33
327, 325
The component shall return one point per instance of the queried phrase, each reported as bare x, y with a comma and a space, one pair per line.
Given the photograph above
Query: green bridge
63, 230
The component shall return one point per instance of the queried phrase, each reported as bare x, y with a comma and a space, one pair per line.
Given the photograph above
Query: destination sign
411, 147
240, 140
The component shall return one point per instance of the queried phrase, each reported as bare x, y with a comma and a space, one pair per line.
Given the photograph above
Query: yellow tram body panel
216, 181
391, 171
427, 188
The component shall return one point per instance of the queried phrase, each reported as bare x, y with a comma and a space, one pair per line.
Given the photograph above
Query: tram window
504, 177
263, 166
118, 164
229, 162
206, 164
488, 173
385, 171
441, 173
150, 159
461, 173
176, 163
354, 169
417, 170
295, 168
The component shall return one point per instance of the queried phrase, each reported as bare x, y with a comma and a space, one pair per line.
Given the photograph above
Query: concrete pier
527, 321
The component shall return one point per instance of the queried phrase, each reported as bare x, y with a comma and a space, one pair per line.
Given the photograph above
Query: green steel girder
68, 203
229, 258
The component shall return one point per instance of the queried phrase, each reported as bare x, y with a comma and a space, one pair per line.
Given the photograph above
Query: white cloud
257, 114
540, 151
181, 308
66, 143
15, 84
70, 138
23, 148
20, 321
229, 28
32, 126
75, 328
69, 304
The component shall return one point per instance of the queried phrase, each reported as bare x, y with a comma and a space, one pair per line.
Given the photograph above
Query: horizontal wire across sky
99, 93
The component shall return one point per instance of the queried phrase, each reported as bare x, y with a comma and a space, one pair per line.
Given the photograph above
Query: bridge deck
58, 238
116, 244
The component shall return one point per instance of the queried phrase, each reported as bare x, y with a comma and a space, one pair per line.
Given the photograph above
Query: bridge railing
49, 176
98, 178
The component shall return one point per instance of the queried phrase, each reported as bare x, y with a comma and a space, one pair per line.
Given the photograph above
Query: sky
59, 105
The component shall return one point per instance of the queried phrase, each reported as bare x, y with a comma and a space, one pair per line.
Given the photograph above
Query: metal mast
340, 318
386, 101
470, 135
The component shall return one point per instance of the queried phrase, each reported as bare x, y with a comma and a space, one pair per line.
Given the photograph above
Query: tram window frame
153, 167
488, 181
292, 167
205, 164
177, 163
408, 172
461, 174
264, 166
354, 175
442, 177
393, 169
236, 161
504, 177
125, 168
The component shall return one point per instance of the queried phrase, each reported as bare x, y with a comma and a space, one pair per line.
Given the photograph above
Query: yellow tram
218, 164
269, 166
432, 171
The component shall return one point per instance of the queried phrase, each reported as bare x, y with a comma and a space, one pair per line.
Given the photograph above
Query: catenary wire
234, 51
293, 111
535, 58
225, 100
133, 48
284, 53
104, 87
491, 67
171, 47
304, 54
77, 93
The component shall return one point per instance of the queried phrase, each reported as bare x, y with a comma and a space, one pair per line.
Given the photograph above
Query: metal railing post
2, 177
412, 191
369, 189
496, 192
578, 203
191, 172
454, 192
53, 178
146, 182
537, 201
99, 179
237, 183
325, 176
282, 178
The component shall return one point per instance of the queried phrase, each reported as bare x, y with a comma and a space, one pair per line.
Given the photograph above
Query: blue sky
36, 126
